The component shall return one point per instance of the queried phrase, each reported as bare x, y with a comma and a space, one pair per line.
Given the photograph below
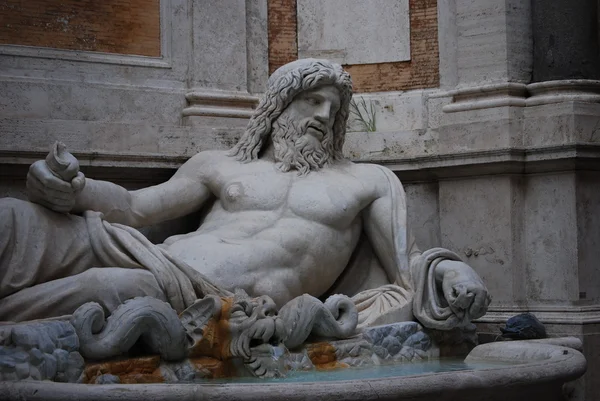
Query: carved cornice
568, 157
547, 314
522, 95
220, 104
583, 90
474, 163
487, 96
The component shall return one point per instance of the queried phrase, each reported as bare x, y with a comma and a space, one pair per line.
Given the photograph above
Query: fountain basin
528, 370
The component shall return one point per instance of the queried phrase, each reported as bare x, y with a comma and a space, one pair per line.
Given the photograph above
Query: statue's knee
9, 208
12, 208
122, 283
12, 204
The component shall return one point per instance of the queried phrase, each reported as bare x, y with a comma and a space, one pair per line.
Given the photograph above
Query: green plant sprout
365, 115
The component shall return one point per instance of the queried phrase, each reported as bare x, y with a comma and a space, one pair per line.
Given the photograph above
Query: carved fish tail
343, 321
306, 315
150, 319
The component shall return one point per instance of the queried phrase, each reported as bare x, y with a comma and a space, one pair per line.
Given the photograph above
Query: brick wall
283, 33
422, 71
112, 26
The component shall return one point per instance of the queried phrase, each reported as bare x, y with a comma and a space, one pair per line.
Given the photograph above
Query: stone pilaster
565, 37
228, 61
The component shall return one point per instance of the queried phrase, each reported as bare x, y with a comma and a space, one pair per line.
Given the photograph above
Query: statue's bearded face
303, 133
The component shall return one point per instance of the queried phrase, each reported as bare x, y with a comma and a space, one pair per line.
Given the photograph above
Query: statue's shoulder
208, 158
383, 180
203, 164
372, 172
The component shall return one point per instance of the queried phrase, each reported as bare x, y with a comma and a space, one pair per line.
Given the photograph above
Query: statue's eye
313, 101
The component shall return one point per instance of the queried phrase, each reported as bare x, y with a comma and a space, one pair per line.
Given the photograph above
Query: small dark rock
523, 327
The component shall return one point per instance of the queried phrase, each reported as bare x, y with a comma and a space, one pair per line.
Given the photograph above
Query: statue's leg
39, 245
108, 286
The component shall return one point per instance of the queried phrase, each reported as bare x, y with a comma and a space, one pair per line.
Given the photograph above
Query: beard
295, 148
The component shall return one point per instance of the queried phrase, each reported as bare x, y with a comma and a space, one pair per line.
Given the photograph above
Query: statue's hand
463, 289
56, 181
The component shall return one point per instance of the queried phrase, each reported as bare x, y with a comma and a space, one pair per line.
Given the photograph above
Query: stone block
354, 31
394, 111
551, 239
423, 213
480, 129
588, 235
481, 220
219, 54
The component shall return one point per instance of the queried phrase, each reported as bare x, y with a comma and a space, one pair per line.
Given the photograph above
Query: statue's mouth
318, 134
316, 130
258, 342
264, 332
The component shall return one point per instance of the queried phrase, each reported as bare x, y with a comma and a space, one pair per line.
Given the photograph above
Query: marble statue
285, 216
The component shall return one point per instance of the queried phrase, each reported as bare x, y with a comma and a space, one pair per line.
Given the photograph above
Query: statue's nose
268, 307
323, 113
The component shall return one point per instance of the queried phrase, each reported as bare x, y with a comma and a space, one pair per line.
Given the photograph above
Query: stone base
34, 351
46, 350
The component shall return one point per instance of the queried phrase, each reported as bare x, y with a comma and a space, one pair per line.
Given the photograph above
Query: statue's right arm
183, 194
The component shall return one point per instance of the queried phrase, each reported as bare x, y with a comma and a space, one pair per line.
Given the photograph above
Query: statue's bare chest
330, 198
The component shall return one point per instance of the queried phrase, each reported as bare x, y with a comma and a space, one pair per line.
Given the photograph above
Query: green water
372, 372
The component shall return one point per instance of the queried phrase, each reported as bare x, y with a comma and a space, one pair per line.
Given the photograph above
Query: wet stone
107, 379
401, 331
75, 366
22, 370
380, 351
419, 340
391, 344
36, 356
35, 373
69, 341
7, 363
46, 336
62, 359
51, 365
404, 330
15, 354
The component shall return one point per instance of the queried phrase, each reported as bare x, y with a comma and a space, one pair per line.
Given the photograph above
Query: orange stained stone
321, 353
132, 370
214, 368
216, 336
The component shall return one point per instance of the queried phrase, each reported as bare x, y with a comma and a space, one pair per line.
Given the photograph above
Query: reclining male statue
285, 214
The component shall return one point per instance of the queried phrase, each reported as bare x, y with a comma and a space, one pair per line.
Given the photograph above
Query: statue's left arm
445, 291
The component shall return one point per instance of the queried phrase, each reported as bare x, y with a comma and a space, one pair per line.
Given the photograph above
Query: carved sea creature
148, 319
223, 328
253, 322
306, 315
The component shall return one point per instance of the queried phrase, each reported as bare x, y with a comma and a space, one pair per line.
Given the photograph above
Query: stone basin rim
550, 363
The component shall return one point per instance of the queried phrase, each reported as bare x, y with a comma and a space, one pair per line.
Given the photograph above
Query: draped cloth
120, 245
397, 284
